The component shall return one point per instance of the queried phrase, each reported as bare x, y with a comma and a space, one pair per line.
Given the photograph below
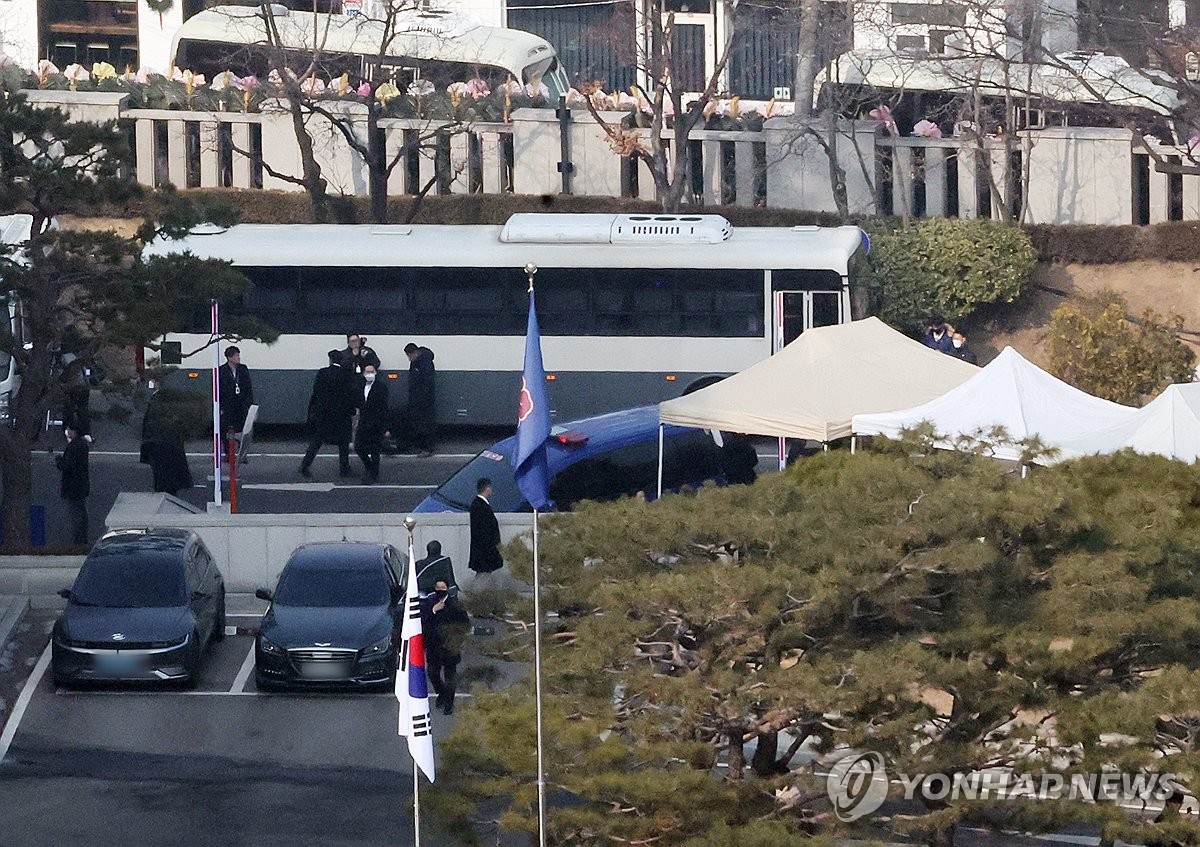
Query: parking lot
222, 763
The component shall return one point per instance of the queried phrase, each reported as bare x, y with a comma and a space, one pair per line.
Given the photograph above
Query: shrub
949, 267
1088, 245
1095, 347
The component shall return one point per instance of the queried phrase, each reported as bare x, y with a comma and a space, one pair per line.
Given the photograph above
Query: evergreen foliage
934, 608
947, 266
1095, 347
81, 291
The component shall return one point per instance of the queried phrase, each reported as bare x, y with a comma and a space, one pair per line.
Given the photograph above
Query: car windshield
317, 584
130, 580
459, 490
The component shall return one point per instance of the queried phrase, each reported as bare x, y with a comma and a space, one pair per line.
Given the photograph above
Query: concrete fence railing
1063, 175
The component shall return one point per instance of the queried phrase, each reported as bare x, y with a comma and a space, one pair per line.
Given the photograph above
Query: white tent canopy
1013, 393
1169, 425
815, 385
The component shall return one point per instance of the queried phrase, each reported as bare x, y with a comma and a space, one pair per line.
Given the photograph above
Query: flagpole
537, 682
216, 398
416, 807
529, 468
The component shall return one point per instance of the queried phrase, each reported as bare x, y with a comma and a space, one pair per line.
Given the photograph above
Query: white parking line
239, 681
31, 684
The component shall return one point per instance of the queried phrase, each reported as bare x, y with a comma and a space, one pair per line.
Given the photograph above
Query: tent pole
782, 452
825, 446
853, 444
660, 460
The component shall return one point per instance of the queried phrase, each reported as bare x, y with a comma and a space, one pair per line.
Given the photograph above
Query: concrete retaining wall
251, 550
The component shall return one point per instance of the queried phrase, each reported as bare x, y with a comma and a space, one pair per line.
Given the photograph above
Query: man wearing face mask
446, 626
961, 351
938, 334
372, 423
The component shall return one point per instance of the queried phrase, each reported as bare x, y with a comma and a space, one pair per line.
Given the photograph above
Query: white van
437, 46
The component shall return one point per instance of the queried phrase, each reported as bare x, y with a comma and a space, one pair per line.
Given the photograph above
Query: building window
930, 14
88, 32
914, 43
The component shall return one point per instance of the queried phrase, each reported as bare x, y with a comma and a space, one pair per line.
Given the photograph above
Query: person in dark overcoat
75, 485
331, 413
434, 567
485, 531
373, 424
446, 625
163, 431
420, 413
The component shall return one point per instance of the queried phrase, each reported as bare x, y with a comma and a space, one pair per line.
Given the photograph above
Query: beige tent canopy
815, 385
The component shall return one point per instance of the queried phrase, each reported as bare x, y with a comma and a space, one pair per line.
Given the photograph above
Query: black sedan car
334, 619
145, 605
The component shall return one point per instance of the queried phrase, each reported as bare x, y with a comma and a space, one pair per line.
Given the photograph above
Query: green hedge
1178, 241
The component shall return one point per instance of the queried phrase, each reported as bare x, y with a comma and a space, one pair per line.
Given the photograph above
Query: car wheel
219, 626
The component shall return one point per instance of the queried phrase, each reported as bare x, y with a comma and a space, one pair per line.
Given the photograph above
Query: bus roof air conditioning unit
537, 228
690, 229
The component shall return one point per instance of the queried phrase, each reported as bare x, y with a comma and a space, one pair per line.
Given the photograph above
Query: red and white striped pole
216, 395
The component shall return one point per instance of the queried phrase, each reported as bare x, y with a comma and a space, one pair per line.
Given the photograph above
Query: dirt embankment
1167, 287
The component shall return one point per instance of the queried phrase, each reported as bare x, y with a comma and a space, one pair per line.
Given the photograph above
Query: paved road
270, 483
222, 764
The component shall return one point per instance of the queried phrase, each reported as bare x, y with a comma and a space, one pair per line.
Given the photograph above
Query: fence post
565, 166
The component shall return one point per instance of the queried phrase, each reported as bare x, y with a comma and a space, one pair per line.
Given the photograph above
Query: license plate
117, 665
323, 670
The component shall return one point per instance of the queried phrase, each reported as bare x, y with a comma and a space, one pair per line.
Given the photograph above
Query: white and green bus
634, 309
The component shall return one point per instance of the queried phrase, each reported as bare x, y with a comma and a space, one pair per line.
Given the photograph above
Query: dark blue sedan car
598, 458
145, 605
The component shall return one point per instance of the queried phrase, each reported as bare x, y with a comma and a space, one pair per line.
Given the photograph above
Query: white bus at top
438, 46
633, 309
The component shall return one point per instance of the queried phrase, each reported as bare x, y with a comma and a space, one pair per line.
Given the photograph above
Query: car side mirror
64, 593
264, 594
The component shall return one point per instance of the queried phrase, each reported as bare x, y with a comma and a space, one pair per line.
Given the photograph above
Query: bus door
796, 311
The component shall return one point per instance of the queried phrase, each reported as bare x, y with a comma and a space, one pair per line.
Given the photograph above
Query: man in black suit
434, 567
237, 394
357, 356
75, 485
331, 413
372, 423
485, 531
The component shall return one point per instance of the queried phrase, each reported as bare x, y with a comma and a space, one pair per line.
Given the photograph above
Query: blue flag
533, 421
